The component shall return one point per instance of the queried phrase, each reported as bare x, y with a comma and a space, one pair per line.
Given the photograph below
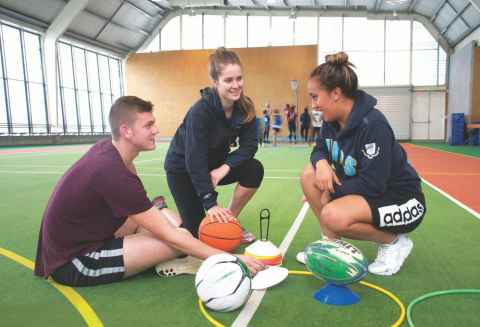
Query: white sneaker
391, 257
301, 257
179, 266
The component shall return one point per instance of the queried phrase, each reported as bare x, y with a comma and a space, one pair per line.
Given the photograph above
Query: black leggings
292, 131
189, 204
304, 132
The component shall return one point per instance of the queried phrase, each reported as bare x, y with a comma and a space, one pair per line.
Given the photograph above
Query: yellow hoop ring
377, 288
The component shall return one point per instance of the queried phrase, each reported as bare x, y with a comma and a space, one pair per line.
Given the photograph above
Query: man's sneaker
179, 266
247, 237
301, 257
391, 257
159, 202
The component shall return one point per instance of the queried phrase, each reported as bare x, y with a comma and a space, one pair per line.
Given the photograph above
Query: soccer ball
223, 282
336, 261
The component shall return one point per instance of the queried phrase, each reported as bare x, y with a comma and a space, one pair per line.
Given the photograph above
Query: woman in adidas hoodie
360, 184
199, 158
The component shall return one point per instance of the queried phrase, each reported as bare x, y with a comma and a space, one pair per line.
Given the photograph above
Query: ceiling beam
457, 16
437, 11
412, 5
140, 10
109, 19
156, 4
476, 4
465, 35
461, 17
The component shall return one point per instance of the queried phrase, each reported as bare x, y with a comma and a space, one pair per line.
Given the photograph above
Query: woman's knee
253, 173
308, 176
332, 219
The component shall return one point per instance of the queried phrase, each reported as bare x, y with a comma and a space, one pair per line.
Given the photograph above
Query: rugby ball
336, 261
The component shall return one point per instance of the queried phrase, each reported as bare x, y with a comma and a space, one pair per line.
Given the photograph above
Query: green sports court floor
445, 256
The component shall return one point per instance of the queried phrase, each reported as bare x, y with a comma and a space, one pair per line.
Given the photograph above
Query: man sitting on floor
99, 226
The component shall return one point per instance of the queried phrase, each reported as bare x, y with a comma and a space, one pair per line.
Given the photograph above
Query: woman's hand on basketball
325, 177
218, 174
220, 214
253, 264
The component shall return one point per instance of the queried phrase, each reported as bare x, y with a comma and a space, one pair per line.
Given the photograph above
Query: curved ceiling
124, 26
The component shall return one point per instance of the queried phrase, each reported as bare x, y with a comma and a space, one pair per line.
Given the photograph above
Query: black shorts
189, 204
398, 212
103, 266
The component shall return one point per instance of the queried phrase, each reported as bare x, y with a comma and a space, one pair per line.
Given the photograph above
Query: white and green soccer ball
336, 261
223, 282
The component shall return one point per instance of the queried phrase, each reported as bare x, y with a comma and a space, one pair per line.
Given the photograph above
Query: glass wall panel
213, 31
282, 31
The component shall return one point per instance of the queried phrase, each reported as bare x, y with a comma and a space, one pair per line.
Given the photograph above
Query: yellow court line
70, 294
389, 294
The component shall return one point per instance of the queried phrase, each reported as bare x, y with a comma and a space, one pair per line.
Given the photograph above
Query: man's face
142, 132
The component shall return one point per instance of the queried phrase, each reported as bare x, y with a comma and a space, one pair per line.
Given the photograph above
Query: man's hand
253, 264
325, 177
218, 174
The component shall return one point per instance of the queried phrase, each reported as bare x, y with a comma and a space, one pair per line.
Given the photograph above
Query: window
21, 49
330, 34
258, 31
191, 32
18, 101
213, 31
13, 52
397, 55
3, 111
281, 31
88, 91
170, 35
236, 31
306, 30
428, 62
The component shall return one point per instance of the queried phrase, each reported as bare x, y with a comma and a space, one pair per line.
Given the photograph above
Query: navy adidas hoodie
366, 157
202, 143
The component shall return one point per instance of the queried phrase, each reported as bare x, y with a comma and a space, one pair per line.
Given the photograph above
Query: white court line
147, 160
39, 154
39, 172
255, 299
454, 200
441, 150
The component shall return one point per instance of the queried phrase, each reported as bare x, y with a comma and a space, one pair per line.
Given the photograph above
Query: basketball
223, 236
223, 282
336, 261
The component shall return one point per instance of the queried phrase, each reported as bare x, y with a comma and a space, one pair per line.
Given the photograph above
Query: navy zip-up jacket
365, 155
202, 143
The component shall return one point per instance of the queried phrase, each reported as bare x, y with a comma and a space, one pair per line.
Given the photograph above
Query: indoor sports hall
65, 63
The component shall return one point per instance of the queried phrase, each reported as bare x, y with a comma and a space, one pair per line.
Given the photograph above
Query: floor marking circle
433, 294
78, 302
377, 288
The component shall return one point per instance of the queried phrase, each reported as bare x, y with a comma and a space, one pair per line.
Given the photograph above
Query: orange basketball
223, 236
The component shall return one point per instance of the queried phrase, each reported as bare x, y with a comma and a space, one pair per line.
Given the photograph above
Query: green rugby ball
336, 261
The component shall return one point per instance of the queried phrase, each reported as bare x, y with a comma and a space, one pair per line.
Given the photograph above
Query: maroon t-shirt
89, 203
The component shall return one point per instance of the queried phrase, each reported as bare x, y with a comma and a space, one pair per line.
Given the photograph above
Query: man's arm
154, 221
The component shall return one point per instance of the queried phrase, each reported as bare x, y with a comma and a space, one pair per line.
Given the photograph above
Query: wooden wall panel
172, 79
475, 115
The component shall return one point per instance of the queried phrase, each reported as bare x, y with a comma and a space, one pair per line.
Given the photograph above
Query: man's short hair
123, 111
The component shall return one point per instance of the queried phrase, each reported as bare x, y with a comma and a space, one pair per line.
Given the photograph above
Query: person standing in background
305, 124
292, 123
316, 123
266, 122
277, 125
